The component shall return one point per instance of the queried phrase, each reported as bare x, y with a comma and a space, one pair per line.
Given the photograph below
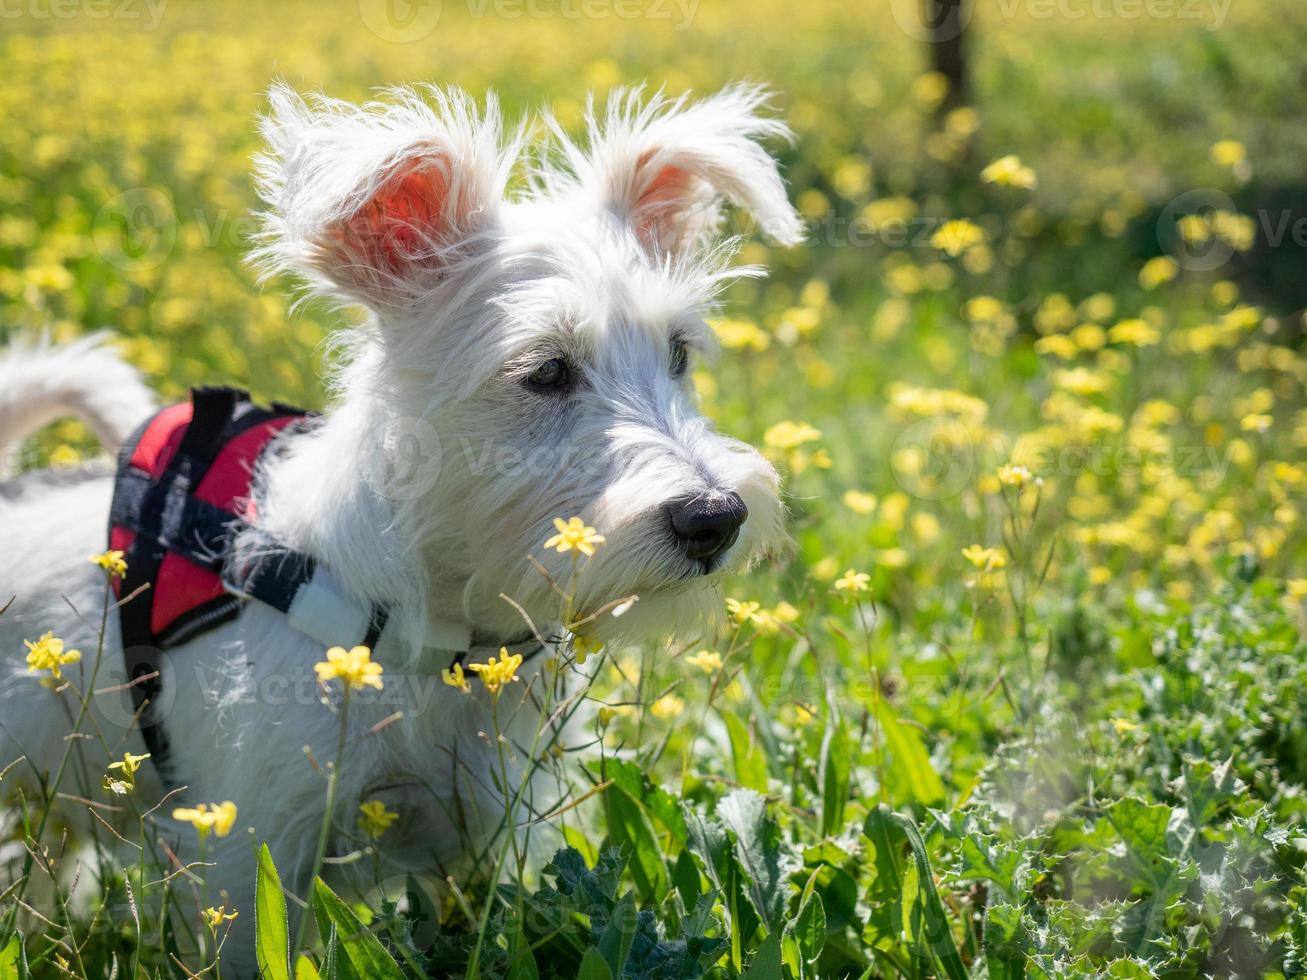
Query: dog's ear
375, 203
665, 166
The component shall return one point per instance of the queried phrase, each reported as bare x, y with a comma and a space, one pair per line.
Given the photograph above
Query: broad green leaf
11, 959
1005, 942
594, 966
364, 951
758, 847
766, 964
271, 938
685, 876
909, 760
888, 833
615, 943
305, 970
629, 827
809, 928
660, 804
750, 762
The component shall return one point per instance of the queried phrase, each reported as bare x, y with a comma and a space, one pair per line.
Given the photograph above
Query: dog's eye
680, 358
553, 375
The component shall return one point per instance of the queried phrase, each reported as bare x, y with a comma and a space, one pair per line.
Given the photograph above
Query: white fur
604, 258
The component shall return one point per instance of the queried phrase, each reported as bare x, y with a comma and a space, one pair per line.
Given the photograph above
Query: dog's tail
42, 382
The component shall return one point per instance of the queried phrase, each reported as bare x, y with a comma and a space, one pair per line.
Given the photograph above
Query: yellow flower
790, 435
112, 562
213, 918
128, 765
1008, 171
1229, 153
374, 818
956, 237
1297, 588
859, 501
1017, 476
574, 535
667, 706
1157, 271
783, 612
216, 817
1123, 726
48, 653
744, 611
986, 559
583, 646
741, 334
853, 582
496, 673
1255, 422
354, 668
709, 661
454, 677
1135, 331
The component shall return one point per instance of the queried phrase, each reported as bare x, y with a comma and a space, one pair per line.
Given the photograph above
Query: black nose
706, 526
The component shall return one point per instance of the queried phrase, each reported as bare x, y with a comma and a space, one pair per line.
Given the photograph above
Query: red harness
181, 493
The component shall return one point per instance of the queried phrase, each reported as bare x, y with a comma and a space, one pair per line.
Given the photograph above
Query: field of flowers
1026, 698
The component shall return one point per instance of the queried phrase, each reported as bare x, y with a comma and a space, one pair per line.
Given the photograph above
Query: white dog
525, 359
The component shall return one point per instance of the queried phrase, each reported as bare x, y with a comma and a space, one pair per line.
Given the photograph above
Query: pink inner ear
397, 226
656, 212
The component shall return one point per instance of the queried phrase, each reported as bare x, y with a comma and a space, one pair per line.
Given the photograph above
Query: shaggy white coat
438, 469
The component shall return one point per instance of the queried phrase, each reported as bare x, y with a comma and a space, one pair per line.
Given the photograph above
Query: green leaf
12, 964
629, 827
759, 851
594, 966
661, 805
809, 928
833, 767
305, 970
364, 951
909, 760
685, 876
750, 762
1006, 942
888, 832
271, 937
615, 943
766, 963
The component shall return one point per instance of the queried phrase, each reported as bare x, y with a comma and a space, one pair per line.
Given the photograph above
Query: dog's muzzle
705, 527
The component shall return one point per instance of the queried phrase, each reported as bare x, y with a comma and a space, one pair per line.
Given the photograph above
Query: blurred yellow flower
374, 819
1008, 171
859, 501
744, 611
1123, 726
1016, 476
354, 668
217, 817
454, 677
213, 918
583, 646
955, 237
787, 434
853, 582
986, 559
1157, 271
574, 535
667, 706
709, 661
1229, 153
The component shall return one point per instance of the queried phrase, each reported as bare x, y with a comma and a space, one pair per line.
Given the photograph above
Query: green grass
1087, 762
